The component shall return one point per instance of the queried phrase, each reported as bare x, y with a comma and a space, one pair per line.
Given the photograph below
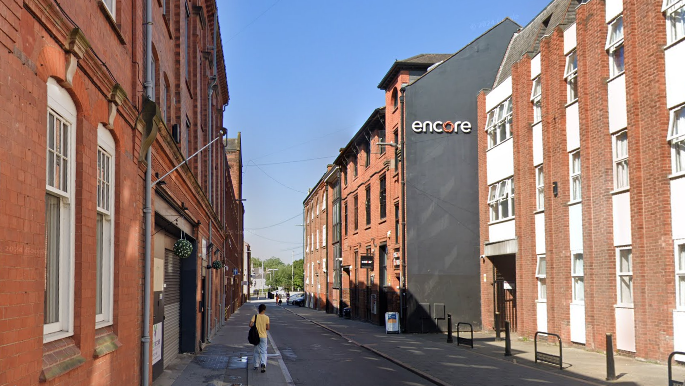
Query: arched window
394, 98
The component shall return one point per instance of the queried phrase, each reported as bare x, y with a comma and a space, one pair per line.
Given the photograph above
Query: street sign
366, 261
235, 271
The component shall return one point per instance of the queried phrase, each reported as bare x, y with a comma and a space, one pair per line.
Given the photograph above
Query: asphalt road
315, 356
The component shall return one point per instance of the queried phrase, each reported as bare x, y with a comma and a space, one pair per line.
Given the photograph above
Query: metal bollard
498, 336
449, 328
611, 369
507, 339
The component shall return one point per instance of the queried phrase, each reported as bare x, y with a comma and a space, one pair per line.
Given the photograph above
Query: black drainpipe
403, 290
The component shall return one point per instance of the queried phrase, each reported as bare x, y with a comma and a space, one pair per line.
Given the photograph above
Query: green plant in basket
217, 264
183, 248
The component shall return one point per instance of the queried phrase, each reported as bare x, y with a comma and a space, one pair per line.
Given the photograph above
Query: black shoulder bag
253, 335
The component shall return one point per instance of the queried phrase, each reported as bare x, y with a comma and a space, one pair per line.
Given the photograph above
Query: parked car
297, 300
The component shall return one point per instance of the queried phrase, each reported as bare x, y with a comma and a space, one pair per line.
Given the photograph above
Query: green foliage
284, 274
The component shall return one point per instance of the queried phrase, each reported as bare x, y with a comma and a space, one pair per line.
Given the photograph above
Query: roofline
399, 66
369, 121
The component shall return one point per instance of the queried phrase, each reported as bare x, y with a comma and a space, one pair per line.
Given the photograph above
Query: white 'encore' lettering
441, 127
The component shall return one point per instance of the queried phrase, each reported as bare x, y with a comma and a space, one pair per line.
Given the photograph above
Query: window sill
676, 176
367, 227
502, 220
612, 78
571, 203
59, 358
190, 92
56, 336
676, 311
103, 324
541, 301
112, 23
577, 303
105, 342
536, 123
625, 306
674, 43
382, 221
168, 26
539, 211
571, 103
619, 191
508, 139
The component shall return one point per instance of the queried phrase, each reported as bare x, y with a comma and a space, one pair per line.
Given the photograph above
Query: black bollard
498, 336
611, 370
449, 328
507, 339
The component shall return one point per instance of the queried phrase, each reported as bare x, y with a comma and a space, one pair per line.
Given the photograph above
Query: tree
283, 274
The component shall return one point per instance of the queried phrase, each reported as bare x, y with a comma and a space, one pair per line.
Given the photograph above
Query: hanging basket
183, 248
217, 264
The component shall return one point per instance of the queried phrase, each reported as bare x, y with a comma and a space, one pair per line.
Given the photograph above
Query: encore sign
441, 127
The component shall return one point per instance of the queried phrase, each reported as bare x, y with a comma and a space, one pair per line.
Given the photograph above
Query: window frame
614, 46
577, 277
500, 117
620, 274
540, 188
107, 145
541, 277
368, 204
575, 176
679, 273
356, 212
113, 10
367, 154
345, 218
571, 77
382, 197
499, 192
186, 41
60, 104
381, 139
621, 176
670, 9
676, 138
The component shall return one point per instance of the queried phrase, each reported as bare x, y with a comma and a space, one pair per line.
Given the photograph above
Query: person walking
262, 322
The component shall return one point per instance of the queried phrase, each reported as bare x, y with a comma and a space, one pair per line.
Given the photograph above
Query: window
323, 237
368, 204
541, 275
345, 218
381, 196
367, 154
104, 229
394, 98
307, 248
575, 176
344, 173
186, 40
621, 178
356, 212
676, 135
571, 75
354, 167
59, 214
501, 200
625, 276
675, 19
537, 89
680, 274
186, 139
165, 98
397, 152
615, 47
317, 239
578, 275
498, 124
323, 201
536, 98
111, 7
540, 184
317, 207
381, 139
397, 223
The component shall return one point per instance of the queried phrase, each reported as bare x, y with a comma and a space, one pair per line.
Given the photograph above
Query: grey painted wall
442, 185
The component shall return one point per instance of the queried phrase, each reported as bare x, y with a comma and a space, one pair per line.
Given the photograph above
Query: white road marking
284, 368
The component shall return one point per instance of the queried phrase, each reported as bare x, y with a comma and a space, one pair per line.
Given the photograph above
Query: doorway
382, 282
504, 291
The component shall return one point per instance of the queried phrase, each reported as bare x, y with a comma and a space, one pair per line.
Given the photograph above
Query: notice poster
392, 323
156, 342
373, 303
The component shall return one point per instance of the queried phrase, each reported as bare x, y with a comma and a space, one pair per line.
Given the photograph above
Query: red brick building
316, 262
72, 261
586, 121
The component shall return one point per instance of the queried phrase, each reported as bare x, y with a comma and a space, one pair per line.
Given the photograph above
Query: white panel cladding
535, 66
505, 230
679, 334
625, 329
572, 127
575, 219
540, 233
578, 323
675, 76
570, 39
618, 119
537, 144
500, 161
613, 8
621, 209
542, 316
678, 208
498, 94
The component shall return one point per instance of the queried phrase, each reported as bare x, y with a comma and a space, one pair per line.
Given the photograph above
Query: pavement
430, 356
227, 361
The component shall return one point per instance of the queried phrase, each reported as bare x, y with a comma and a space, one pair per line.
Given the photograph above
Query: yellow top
262, 323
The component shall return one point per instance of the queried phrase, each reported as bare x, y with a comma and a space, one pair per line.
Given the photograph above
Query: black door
382, 293
203, 307
505, 295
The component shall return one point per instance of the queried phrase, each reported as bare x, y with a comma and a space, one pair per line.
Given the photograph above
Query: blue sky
302, 75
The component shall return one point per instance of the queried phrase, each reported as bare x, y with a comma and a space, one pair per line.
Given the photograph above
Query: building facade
316, 246
585, 120
73, 189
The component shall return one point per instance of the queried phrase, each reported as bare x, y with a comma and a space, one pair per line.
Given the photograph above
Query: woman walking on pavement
262, 322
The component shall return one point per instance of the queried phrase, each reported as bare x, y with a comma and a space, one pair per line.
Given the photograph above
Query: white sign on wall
156, 342
441, 127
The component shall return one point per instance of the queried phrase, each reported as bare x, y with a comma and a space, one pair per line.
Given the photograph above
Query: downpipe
147, 209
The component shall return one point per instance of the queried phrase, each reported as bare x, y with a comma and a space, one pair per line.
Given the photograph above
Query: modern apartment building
582, 177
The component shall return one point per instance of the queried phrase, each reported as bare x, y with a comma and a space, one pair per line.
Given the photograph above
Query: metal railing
549, 358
